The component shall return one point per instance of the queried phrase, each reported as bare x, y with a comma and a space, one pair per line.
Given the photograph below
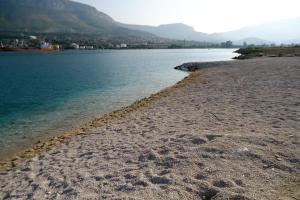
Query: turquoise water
45, 94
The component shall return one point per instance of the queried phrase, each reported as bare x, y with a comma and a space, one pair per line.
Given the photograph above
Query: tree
227, 44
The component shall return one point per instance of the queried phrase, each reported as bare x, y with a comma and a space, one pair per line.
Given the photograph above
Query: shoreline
227, 131
55, 142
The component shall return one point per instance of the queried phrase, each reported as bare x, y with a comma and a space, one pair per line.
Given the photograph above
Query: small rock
198, 140
149, 155
152, 155
142, 158
26, 169
98, 178
125, 187
242, 151
207, 193
200, 176
34, 186
141, 183
130, 176
211, 137
108, 176
68, 190
160, 180
223, 183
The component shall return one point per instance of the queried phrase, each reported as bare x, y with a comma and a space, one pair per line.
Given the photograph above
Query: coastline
214, 135
26, 142
56, 141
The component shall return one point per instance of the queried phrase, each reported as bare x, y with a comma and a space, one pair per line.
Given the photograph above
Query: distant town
56, 43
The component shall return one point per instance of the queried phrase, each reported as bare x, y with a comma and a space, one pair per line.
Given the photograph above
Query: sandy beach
228, 131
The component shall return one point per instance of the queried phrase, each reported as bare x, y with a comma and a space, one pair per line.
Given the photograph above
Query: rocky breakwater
193, 66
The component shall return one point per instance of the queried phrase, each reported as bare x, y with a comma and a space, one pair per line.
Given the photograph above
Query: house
89, 47
74, 46
45, 45
123, 45
32, 37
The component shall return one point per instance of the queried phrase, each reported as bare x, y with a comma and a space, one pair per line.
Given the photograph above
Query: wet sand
229, 131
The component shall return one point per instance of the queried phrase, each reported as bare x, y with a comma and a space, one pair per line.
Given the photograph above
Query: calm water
45, 94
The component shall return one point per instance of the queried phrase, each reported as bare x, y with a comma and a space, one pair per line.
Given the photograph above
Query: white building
45, 45
123, 45
74, 46
32, 37
89, 47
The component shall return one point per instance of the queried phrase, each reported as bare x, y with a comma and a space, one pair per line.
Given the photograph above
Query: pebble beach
230, 130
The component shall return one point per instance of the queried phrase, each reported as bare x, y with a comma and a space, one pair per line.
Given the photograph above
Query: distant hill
59, 16
293, 41
65, 16
278, 32
177, 31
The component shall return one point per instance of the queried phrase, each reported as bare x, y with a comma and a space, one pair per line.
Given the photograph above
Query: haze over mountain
64, 16
284, 31
280, 31
178, 31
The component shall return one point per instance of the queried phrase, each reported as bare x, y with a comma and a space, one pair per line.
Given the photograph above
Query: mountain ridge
175, 31
280, 31
65, 16
59, 16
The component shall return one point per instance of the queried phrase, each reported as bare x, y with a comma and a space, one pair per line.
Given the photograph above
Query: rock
207, 193
223, 183
141, 182
160, 180
211, 137
130, 176
98, 178
149, 155
142, 158
230, 196
200, 176
198, 140
242, 151
68, 190
7, 196
26, 169
125, 187
168, 162
152, 155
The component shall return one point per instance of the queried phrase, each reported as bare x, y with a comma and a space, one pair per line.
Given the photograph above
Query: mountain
65, 16
178, 31
59, 16
278, 32
293, 41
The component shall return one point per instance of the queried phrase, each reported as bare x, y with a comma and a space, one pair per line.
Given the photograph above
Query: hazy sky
205, 15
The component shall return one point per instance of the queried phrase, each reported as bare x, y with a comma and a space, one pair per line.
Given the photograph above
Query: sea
43, 95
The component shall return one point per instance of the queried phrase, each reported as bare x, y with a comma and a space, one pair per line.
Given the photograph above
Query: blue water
46, 94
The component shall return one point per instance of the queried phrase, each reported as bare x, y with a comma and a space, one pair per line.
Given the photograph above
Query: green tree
227, 44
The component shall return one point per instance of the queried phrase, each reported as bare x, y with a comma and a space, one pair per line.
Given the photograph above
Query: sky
204, 15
